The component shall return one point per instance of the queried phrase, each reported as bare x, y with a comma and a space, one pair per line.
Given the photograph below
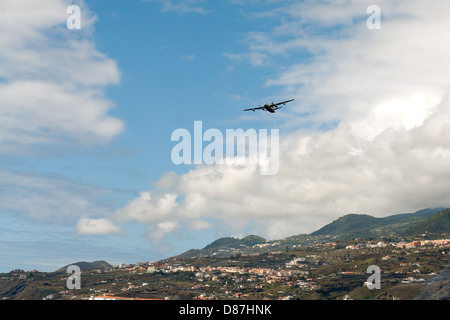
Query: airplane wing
253, 109
280, 103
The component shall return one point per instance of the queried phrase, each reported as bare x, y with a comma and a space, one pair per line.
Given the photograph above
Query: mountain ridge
231, 242
437, 223
364, 225
346, 227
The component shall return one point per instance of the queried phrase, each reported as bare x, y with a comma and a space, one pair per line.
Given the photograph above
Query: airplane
270, 107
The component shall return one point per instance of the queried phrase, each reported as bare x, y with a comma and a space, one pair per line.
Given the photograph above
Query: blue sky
86, 118
172, 71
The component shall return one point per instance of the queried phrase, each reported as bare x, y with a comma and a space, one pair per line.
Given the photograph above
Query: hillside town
326, 268
289, 273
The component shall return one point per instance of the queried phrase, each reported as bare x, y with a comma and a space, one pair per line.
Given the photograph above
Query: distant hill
87, 265
365, 226
348, 223
437, 223
251, 240
229, 242
224, 244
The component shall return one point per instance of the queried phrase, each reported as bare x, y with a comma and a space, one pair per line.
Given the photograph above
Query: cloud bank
371, 126
52, 79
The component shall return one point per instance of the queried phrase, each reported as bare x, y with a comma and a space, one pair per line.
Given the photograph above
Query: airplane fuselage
269, 108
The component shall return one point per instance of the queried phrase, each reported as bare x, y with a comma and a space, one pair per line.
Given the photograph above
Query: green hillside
366, 226
438, 223
230, 242
223, 242
87, 265
348, 223
251, 240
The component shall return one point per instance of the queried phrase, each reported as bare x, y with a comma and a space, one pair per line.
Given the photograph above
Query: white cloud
386, 89
100, 226
161, 212
52, 79
157, 231
148, 209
